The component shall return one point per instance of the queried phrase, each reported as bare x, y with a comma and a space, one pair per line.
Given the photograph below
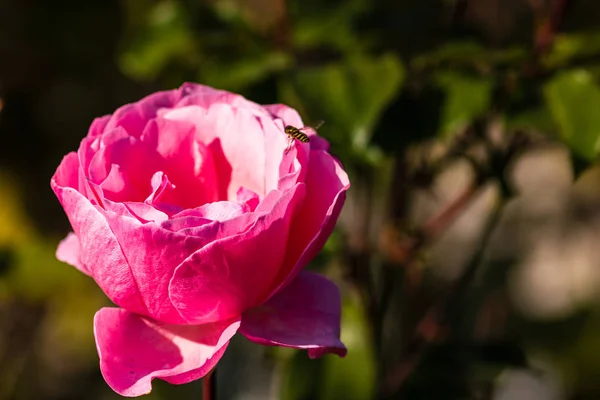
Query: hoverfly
298, 133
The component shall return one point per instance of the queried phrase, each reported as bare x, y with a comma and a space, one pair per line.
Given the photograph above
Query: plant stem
209, 385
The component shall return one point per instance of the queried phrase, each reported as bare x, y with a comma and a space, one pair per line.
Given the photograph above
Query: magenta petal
252, 145
326, 183
287, 114
220, 211
145, 212
134, 350
100, 252
152, 255
133, 164
133, 117
247, 198
193, 94
98, 125
188, 164
304, 315
159, 183
67, 173
68, 252
231, 275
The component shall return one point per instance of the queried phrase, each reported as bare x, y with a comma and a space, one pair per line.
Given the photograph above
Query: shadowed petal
304, 315
68, 252
134, 350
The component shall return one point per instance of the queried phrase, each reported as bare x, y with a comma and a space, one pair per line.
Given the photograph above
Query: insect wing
318, 125
312, 130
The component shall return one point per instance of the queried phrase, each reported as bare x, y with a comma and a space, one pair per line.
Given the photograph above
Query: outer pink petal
287, 114
68, 252
134, 350
67, 173
230, 275
326, 184
134, 117
99, 250
305, 315
194, 94
98, 125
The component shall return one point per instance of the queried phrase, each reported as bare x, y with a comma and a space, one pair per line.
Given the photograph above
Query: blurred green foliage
407, 90
572, 97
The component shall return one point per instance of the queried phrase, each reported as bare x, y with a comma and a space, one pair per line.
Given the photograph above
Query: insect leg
289, 145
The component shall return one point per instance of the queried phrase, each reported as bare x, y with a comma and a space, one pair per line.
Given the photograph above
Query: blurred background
468, 252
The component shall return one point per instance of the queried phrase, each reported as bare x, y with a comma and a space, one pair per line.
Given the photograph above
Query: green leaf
349, 96
466, 98
569, 47
574, 100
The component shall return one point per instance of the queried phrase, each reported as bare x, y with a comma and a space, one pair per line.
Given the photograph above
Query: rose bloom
192, 218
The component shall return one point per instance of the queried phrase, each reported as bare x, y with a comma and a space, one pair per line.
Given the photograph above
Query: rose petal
67, 173
210, 230
287, 114
134, 117
219, 211
305, 315
146, 213
134, 350
253, 145
152, 254
99, 250
87, 150
203, 96
68, 252
248, 199
98, 125
97, 167
326, 184
160, 183
230, 275
188, 164
136, 164
241, 138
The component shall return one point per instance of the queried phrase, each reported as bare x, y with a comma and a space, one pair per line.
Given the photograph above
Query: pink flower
192, 218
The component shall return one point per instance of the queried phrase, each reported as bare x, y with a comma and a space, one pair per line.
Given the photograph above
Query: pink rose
192, 218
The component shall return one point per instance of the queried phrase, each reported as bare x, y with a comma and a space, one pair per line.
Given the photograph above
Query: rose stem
209, 385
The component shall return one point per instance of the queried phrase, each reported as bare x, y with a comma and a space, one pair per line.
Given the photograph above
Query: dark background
467, 252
